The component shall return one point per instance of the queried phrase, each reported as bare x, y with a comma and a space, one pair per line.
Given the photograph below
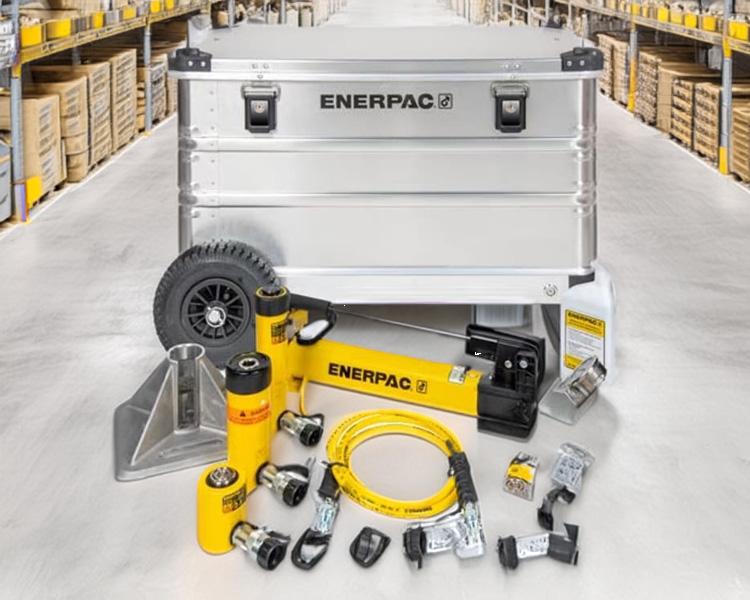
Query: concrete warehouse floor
662, 513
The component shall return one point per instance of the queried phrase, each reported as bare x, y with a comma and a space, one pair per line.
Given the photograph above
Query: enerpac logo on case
386, 101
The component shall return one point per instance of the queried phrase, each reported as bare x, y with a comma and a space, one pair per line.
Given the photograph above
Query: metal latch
260, 110
510, 106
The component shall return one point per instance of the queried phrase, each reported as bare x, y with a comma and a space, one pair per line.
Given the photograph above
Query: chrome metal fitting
266, 547
287, 482
460, 531
308, 429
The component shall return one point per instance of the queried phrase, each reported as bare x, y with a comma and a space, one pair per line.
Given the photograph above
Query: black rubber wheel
206, 297
551, 317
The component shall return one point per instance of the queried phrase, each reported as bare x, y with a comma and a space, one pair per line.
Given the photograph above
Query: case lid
394, 50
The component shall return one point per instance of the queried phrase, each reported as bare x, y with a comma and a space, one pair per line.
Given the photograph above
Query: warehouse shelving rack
73, 42
721, 39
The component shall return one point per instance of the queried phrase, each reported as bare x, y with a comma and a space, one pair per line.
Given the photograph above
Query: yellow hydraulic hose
362, 426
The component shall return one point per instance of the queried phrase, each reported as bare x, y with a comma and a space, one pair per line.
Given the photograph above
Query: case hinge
583, 59
190, 59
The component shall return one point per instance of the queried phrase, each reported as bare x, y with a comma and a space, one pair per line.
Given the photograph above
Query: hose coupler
308, 429
288, 482
266, 547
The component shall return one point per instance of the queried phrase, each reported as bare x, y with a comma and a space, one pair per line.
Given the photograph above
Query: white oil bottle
587, 324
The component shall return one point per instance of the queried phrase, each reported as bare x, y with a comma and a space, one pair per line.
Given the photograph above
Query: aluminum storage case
408, 165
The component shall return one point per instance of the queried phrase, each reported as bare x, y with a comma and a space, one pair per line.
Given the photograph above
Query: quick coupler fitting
266, 547
288, 482
308, 429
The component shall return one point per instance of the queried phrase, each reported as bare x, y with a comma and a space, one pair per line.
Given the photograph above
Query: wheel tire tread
231, 251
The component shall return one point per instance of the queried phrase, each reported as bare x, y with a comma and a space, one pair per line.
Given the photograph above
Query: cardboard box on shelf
42, 148
647, 78
98, 110
668, 72
76, 144
72, 94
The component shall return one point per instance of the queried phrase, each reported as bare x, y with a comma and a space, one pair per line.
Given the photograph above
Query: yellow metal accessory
271, 318
362, 426
248, 412
221, 506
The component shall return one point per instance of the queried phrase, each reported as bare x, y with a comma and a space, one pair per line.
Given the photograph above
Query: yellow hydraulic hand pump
504, 400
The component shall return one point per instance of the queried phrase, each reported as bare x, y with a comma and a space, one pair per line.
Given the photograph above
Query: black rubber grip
462, 474
329, 487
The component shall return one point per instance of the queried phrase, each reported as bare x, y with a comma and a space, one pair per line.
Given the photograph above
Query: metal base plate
558, 406
161, 429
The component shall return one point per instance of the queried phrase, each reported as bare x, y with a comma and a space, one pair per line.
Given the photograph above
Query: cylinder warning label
233, 501
245, 416
584, 337
278, 332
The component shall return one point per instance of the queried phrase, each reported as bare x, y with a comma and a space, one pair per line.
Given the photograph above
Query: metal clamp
312, 546
567, 400
567, 475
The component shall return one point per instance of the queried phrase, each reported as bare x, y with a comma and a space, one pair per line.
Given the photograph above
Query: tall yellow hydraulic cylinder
248, 383
271, 319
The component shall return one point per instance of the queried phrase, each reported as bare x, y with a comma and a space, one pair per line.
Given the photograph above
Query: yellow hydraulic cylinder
221, 506
248, 383
271, 319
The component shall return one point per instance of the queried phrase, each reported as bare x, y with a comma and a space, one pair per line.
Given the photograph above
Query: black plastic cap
506, 549
248, 373
368, 546
272, 300
294, 492
311, 435
271, 552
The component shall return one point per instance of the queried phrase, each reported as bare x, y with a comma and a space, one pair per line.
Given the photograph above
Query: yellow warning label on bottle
584, 337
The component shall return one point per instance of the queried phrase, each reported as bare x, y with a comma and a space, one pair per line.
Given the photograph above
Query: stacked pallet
605, 78
707, 116
167, 39
620, 71
157, 72
647, 80
123, 89
42, 145
74, 120
681, 126
99, 128
739, 158
668, 72
615, 77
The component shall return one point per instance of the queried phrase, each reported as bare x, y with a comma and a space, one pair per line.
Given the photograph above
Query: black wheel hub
216, 310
